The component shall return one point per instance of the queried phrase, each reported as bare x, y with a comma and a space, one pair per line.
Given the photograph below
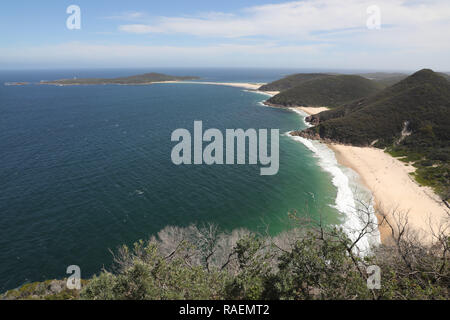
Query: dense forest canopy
329, 91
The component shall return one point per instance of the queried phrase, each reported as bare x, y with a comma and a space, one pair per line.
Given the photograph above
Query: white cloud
129, 15
421, 26
267, 54
138, 55
311, 20
309, 33
138, 28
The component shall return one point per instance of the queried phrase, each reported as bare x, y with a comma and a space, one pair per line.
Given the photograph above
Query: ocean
85, 169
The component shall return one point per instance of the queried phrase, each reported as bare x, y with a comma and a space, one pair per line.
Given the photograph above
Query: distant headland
142, 79
16, 83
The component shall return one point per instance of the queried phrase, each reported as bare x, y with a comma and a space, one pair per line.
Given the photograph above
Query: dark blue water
84, 169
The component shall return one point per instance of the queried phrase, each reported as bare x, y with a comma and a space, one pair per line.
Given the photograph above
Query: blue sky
247, 33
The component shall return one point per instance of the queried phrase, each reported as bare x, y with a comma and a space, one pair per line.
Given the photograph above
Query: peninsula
142, 79
408, 121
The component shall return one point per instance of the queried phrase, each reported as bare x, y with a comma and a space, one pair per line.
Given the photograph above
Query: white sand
312, 110
270, 93
393, 188
243, 85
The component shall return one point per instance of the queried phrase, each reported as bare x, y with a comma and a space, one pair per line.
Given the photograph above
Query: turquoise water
85, 169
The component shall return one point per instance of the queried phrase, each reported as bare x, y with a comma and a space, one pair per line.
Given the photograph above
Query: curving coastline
349, 192
349, 188
394, 190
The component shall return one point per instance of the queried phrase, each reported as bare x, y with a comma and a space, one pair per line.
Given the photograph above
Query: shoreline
345, 183
345, 202
392, 187
311, 110
404, 193
308, 110
254, 87
102, 84
244, 85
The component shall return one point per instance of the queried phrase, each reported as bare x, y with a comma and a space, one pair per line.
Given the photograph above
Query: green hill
328, 90
410, 118
386, 79
138, 79
445, 75
292, 81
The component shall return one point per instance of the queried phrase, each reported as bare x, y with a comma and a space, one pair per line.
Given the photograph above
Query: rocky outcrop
311, 135
314, 120
267, 103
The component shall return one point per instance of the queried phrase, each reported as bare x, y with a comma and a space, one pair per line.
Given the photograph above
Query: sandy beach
244, 85
393, 188
270, 93
389, 179
311, 110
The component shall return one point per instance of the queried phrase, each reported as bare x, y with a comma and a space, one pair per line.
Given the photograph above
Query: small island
16, 83
143, 79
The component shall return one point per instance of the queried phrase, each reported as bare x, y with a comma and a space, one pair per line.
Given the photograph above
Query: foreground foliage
311, 261
304, 263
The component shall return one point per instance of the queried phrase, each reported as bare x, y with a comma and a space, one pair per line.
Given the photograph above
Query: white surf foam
260, 92
303, 115
348, 186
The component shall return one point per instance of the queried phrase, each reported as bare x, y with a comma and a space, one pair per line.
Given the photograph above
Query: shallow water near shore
85, 169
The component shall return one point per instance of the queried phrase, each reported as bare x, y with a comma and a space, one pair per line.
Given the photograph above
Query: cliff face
314, 120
